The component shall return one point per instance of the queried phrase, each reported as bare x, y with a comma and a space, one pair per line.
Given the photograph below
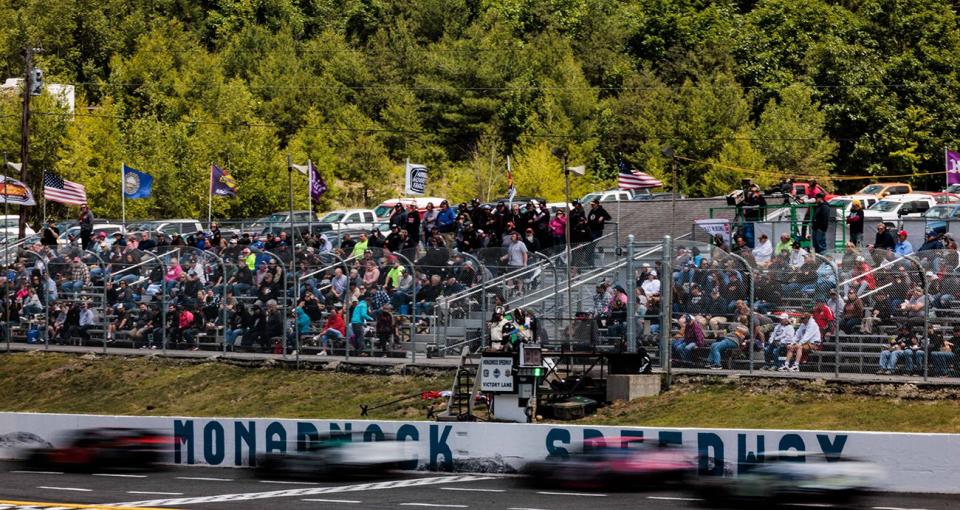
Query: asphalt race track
210, 488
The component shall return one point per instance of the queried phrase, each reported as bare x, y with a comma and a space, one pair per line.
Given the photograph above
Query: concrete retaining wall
916, 462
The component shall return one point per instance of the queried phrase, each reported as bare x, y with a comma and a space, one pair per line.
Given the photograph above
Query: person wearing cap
855, 222
852, 313
729, 342
861, 277
884, 239
690, 337
651, 285
597, 219
891, 353
781, 337
932, 242
903, 246
558, 227
50, 235
797, 257
79, 276
763, 251
820, 223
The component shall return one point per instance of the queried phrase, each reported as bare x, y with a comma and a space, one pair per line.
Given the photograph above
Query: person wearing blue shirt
302, 326
360, 314
903, 247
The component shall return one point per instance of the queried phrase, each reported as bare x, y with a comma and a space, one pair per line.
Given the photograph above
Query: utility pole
25, 130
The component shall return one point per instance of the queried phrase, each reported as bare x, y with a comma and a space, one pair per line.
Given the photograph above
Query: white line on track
28, 472
204, 479
74, 489
584, 494
118, 475
895, 508
301, 492
672, 498
347, 501
288, 482
434, 505
156, 493
467, 489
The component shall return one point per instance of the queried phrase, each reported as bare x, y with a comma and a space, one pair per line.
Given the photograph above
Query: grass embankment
734, 406
60, 383
49, 382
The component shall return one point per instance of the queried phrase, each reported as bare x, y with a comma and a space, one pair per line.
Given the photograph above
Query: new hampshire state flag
136, 184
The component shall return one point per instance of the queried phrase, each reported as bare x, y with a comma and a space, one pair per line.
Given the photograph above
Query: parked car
183, 227
383, 210
10, 225
74, 231
884, 189
620, 195
280, 217
846, 202
350, 219
895, 207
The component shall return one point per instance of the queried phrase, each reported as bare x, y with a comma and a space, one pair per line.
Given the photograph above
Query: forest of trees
736, 88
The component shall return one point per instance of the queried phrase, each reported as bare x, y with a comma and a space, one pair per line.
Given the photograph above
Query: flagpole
123, 204
6, 249
210, 198
310, 196
946, 166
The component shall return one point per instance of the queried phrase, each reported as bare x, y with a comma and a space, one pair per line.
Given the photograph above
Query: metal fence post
666, 308
631, 299
926, 319
753, 317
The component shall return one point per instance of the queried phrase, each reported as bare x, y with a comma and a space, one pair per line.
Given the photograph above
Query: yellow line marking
48, 504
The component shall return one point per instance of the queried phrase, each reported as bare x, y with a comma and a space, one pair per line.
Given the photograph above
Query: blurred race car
785, 478
613, 462
104, 448
336, 456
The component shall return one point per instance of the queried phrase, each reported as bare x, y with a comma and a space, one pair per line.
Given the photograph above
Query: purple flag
953, 167
317, 185
222, 183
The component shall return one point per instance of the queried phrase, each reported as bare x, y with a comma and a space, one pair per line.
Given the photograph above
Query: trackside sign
920, 462
496, 375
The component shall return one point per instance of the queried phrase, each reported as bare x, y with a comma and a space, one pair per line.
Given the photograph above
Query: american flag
635, 179
57, 189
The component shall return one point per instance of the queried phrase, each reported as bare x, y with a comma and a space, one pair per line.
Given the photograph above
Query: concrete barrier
915, 462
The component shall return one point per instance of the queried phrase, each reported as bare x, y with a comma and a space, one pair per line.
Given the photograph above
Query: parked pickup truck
622, 195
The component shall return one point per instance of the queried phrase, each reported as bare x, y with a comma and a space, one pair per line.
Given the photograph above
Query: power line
238, 125
527, 88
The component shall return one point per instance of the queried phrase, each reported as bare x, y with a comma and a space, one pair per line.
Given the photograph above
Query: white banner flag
416, 181
716, 226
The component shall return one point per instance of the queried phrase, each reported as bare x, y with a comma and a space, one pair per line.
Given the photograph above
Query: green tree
791, 133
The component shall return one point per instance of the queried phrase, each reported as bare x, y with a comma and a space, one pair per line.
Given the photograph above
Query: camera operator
754, 209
